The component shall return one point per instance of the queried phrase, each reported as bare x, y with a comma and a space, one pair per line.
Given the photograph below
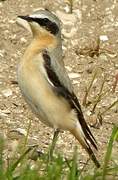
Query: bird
45, 84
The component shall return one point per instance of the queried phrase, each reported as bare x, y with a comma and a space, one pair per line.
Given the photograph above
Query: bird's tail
83, 141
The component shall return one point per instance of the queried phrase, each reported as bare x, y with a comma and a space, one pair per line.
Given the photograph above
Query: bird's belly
52, 110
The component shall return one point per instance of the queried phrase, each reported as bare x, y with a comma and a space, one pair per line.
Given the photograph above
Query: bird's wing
58, 68
62, 86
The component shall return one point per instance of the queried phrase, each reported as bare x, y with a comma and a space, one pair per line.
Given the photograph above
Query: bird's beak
27, 18
23, 21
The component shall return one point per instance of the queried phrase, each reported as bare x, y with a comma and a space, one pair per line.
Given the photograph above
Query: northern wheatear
45, 84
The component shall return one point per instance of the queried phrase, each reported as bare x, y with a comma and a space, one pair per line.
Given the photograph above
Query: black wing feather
61, 90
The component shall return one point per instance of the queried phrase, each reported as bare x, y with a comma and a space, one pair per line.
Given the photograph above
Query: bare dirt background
91, 20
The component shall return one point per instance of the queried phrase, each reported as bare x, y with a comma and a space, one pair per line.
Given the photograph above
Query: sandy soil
84, 54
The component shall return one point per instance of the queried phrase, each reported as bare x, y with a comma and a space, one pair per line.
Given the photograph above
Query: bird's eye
45, 20
47, 24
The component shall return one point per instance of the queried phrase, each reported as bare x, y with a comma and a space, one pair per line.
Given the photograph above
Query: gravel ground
90, 45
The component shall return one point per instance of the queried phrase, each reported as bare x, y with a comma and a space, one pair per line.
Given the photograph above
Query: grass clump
59, 167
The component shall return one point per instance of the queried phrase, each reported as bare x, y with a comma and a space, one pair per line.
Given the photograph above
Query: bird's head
41, 22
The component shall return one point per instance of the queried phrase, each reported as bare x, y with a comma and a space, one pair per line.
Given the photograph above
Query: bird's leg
54, 140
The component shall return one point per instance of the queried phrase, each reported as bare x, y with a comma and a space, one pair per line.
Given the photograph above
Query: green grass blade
14, 165
109, 151
1, 158
54, 171
73, 174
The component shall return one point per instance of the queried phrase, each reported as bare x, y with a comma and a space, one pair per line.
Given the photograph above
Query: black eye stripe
49, 25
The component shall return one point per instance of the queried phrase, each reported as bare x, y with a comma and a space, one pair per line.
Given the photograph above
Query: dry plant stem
85, 98
115, 83
107, 109
88, 89
96, 49
99, 96
71, 6
84, 166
